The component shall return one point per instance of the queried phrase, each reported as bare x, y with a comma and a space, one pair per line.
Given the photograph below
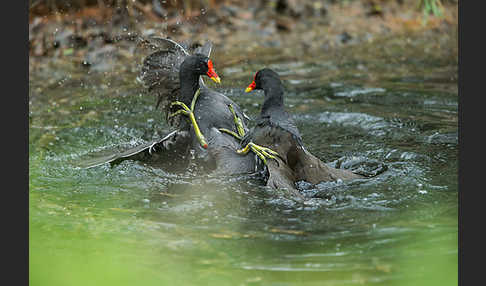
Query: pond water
133, 223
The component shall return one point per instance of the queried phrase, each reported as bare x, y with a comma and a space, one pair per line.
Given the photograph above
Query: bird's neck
189, 82
274, 92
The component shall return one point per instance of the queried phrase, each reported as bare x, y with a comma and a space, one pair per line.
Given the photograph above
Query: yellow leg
238, 122
180, 111
190, 112
182, 104
199, 135
194, 99
260, 151
230, 132
245, 150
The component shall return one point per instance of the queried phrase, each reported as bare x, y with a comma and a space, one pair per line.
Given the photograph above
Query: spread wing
156, 146
160, 69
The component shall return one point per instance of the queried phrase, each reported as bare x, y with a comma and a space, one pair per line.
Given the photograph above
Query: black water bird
174, 75
275, 129
217, 128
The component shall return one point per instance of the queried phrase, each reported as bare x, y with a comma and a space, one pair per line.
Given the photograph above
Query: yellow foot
230, 132
238, 124
260, 151
190, 112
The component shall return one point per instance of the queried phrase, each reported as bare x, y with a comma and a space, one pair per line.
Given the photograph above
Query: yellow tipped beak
216, 79
251, 87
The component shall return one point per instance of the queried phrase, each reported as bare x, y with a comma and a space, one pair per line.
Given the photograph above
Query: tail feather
309, 168
160, 69
204, 49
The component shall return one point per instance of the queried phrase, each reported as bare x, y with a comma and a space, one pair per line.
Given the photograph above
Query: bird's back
282, 119
212, 110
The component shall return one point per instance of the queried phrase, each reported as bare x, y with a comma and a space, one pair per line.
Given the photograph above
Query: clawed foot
260, 151
238, 123
190, 113
230, 132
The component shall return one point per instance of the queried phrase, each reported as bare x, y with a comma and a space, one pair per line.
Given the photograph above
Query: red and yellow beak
251, 86
211, 73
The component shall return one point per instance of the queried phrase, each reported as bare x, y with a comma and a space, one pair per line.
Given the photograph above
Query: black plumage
275, 129
172, 73
211, 109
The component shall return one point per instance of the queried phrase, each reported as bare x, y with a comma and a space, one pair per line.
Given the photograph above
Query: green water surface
135, 224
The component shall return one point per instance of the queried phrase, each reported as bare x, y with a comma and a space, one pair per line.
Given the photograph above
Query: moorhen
275, 129
174, 76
